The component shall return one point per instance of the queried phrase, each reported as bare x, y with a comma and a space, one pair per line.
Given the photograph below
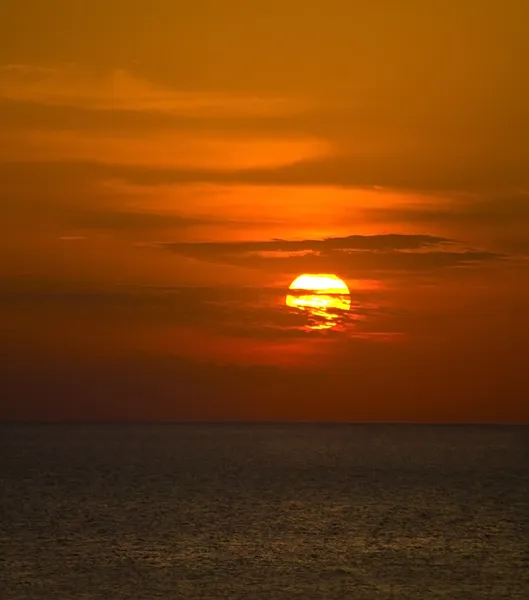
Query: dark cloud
346, 256
246, 312
20, 115
352, 242
55, 173
400, 170
405, 171
500, 209
502, 218
133, 221
71, 195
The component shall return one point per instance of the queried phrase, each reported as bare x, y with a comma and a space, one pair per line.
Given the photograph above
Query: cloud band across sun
349, 255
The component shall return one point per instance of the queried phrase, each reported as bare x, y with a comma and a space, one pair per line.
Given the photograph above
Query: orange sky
167, 169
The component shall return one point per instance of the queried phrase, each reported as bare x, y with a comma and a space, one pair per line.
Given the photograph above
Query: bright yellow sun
323, 296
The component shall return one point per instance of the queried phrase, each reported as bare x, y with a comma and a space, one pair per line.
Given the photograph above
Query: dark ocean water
263, 512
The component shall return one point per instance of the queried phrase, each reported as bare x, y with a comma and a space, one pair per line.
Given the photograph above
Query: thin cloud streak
117, 90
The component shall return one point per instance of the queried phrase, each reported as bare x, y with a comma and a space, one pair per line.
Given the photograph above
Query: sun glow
324, 297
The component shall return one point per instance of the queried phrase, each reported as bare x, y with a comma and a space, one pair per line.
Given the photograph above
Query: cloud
235, 311
104, 367
83, 196
406, 172
401, 168
346, 256
242, 138
351, 242
134, 221
500, 218
19, 115
160, 150
67, 114
117, 90
460, 209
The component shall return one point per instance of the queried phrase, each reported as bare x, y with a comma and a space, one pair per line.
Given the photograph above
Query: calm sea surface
263, 512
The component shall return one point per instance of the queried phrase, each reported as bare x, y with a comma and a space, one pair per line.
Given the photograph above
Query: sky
167, 169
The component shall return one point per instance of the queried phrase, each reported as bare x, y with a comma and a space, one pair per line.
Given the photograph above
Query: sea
263, 511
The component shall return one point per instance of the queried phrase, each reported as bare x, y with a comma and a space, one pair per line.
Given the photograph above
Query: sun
324, 297
328, 284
